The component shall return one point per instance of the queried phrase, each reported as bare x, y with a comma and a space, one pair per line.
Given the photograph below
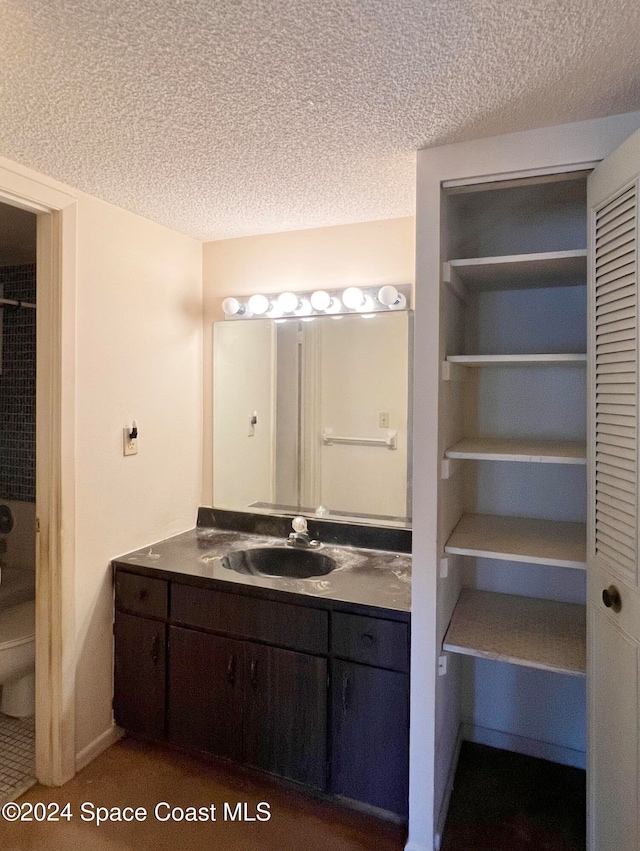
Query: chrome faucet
300, 535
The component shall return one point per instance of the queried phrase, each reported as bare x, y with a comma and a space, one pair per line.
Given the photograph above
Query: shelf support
453, 371
449, 467
451, 279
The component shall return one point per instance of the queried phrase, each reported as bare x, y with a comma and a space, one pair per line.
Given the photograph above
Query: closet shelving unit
521, 630
547, 634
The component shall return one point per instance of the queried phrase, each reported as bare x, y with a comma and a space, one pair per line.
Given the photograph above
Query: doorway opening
17, 498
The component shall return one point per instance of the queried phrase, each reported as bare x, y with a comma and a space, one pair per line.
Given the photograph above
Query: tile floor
17, 753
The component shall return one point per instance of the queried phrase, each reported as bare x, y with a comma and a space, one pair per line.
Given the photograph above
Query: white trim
441, 819
523, 745
97, 746
526, 175
55, 466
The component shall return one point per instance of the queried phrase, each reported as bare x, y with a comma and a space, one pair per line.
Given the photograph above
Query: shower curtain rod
11, 302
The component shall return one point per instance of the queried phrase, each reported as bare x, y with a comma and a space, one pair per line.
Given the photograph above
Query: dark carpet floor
504, 801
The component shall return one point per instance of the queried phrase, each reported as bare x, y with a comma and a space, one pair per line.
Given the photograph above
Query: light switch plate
129, 445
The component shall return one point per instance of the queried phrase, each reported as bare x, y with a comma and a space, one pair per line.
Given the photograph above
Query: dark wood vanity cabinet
206, 692
370, 745
309, 693
260, 705
139, 674
139, 693
370, 711
285, 722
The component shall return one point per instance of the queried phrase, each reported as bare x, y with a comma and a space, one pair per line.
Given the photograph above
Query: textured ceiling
227, 117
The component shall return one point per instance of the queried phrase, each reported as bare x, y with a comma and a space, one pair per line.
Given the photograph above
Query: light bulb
304, 307
387, 295
320, 300
288, 302
335, 306
353, 297
232, 307
258, 304
391, 298
367, 304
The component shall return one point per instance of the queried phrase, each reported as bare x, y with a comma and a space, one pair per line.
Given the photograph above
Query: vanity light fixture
232, 307
304, 308
288, 302
353, 297
320, 300
391, 298
258, 305
274, 311
367, 301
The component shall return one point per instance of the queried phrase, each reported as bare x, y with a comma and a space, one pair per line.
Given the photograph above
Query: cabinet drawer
142, 595
372, 641
294, 627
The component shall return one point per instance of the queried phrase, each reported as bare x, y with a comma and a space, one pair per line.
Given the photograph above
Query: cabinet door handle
367, 639
254, 673
231, 670
155, 649
345, 694
611, 598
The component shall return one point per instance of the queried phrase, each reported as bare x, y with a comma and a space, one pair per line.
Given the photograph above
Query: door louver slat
618, 206
629, 271
608, 231
604, 498
616, 353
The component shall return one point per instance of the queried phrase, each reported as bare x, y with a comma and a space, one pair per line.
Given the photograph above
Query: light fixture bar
365, 301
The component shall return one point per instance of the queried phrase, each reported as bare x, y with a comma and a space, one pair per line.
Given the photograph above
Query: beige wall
138, 354
369, 253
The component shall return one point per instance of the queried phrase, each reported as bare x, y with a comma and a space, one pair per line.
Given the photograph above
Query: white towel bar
390, 441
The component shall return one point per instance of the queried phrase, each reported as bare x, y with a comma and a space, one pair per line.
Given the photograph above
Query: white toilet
17, 660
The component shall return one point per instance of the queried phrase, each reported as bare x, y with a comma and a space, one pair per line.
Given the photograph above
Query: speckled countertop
366, 577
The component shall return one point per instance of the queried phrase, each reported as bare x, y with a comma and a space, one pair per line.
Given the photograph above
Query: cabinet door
139, 675
285, 726
613, 581
205, 692
370, 735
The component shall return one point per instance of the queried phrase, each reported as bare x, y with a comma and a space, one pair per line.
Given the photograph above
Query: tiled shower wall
18, 386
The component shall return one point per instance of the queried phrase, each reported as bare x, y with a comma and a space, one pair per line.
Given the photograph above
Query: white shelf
520, 271
542, 634
551, 542
531, 451
516, 360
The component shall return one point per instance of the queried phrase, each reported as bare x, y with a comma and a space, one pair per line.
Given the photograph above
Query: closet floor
504, 801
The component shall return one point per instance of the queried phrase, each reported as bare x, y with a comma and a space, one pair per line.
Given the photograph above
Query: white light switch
384, 419
130, 444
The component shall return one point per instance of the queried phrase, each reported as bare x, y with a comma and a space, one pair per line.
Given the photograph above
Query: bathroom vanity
307, 679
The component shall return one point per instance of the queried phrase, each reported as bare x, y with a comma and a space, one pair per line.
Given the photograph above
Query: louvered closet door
613, 618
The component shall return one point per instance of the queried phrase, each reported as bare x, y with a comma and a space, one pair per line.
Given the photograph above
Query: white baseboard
97, 746
523, 745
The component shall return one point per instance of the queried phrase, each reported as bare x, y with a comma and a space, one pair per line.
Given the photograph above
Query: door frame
55, 464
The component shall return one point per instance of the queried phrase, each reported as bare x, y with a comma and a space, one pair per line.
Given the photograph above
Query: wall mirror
312, 417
